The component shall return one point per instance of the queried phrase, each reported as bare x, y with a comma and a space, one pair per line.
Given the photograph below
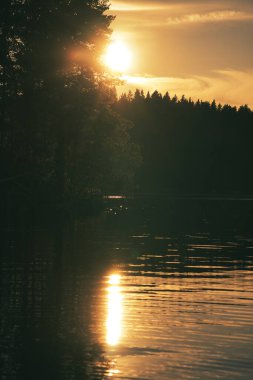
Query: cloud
151, 5
210, 17
121, 6
225, 86
166, 41
231, 87
178, 13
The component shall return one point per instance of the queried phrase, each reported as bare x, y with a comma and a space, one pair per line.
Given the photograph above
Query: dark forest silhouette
190, 147
64, 134
65, 141
60, 140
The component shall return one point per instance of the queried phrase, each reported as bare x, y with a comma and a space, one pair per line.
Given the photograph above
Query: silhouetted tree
191, 147
58, 134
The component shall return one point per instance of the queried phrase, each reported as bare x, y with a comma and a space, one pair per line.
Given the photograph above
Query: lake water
146, 290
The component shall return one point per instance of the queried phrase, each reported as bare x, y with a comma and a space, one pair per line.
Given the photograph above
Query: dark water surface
146, 290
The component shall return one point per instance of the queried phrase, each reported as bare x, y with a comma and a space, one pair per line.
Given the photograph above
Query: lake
148, 290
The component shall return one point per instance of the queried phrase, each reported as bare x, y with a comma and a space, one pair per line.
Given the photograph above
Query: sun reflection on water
114, 311
113, 372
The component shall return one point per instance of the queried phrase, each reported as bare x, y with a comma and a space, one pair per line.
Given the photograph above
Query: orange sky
201, 48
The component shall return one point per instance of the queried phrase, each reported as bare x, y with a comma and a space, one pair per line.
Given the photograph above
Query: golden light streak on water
113, 372
114, 311
114, 279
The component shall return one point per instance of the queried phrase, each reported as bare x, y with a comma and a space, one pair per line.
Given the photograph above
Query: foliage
59, 137
190, 147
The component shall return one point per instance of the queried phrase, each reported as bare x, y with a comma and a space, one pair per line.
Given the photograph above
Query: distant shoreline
181, 196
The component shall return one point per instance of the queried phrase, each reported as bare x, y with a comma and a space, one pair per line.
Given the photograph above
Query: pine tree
53, 93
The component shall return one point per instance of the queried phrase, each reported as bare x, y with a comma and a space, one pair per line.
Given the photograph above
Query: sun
117, 57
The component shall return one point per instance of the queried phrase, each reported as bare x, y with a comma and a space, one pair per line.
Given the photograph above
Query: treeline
64, 134
190, 147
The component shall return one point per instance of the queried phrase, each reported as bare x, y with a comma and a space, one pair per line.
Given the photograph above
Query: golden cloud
225, 86
123, 6
210, 17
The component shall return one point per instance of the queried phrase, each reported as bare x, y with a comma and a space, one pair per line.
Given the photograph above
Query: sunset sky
201, 48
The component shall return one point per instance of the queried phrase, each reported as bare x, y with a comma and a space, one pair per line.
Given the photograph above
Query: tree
53, 93
191, 147
45, 38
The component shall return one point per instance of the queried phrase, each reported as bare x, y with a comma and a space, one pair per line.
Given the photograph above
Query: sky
201, 49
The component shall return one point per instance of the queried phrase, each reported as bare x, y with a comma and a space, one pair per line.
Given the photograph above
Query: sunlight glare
138, 80
113, 372
114, 279
117, 57
114, 311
